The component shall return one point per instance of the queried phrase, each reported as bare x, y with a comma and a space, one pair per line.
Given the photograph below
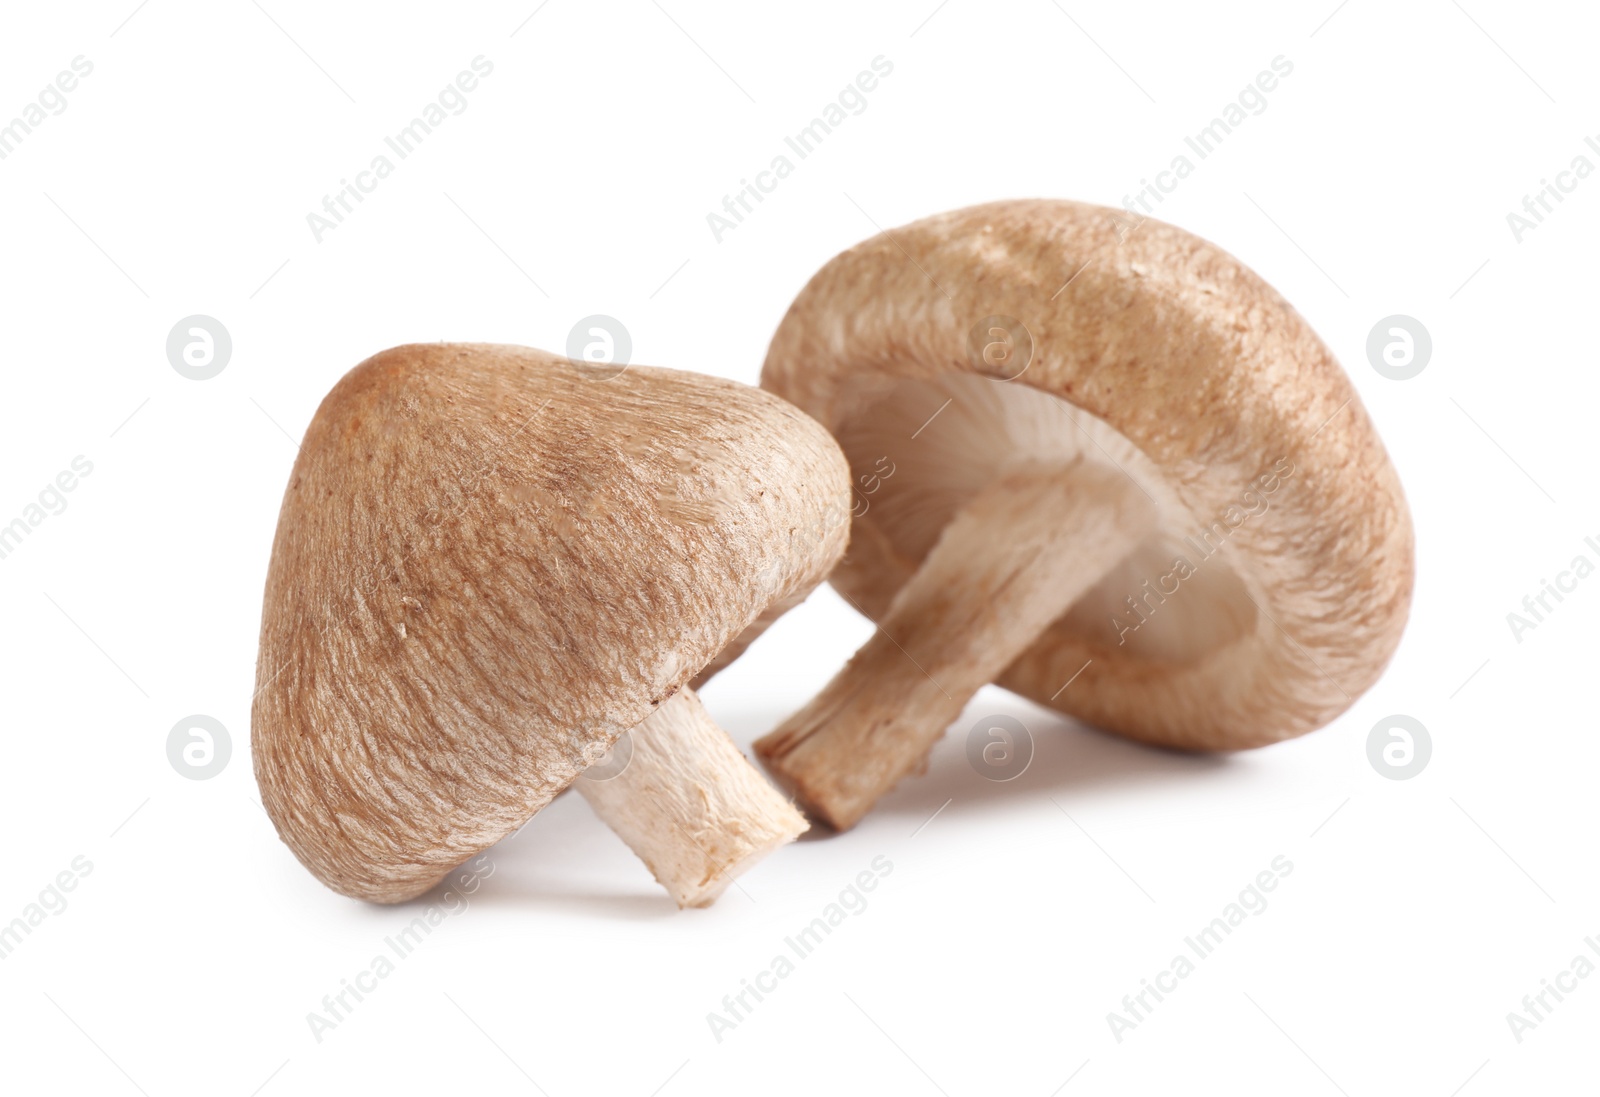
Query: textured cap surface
492, 561
1169, 358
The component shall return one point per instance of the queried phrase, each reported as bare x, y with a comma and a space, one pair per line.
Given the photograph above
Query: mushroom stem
1014, 559
688, 803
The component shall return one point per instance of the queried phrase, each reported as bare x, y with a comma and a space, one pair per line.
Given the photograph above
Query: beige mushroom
1120, 476
490, 564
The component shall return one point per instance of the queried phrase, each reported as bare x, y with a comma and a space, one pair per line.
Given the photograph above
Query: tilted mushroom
1111, 469
490, 564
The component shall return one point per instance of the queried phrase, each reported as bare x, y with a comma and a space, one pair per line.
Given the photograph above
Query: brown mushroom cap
1162, 356
490, 563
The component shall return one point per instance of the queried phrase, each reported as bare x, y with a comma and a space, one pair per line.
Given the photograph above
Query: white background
177, 181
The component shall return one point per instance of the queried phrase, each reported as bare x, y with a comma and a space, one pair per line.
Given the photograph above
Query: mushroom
1111, 470
491, 563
